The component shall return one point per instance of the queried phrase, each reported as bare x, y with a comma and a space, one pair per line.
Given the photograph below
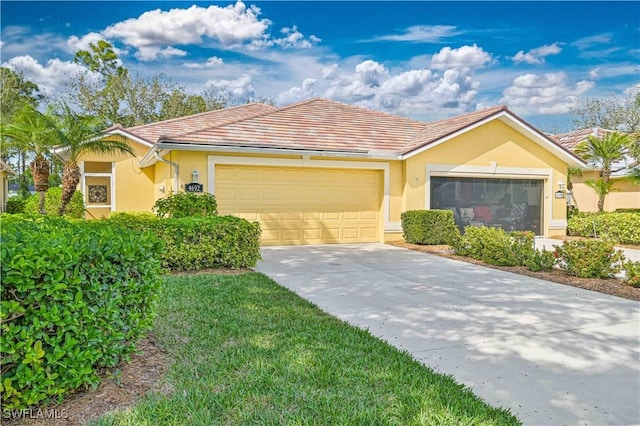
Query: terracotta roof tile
177, 126
570, 140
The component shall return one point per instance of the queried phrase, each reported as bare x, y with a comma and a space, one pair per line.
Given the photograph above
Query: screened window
511, 204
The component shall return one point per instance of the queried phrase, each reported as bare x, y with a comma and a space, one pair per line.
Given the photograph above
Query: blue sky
424, 60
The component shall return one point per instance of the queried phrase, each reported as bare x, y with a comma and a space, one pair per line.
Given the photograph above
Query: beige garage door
302, 205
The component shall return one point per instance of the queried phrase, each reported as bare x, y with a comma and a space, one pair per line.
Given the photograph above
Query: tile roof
177, 126
570, 140
313, 125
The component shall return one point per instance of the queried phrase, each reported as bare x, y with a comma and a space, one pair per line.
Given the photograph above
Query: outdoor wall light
161, 188
561, 185
195, 176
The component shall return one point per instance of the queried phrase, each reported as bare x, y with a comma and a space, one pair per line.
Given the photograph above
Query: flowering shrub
632, 273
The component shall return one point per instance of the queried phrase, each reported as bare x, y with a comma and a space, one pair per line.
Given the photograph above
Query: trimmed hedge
186, 204
621, 228
429, 227
196, 243
75, 298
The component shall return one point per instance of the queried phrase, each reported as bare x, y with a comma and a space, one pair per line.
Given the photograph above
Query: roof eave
513, 121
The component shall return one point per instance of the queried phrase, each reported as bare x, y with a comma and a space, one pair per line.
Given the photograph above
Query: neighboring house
625, 195
5, 172
321, 171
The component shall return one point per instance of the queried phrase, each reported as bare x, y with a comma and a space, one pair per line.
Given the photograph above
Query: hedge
53, 198
196, 243
75, 298
589, 258
429, 227
621, 228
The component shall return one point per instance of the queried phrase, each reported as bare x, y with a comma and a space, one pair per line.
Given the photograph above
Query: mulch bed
613, 286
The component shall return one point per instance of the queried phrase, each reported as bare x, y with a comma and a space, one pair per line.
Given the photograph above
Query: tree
16, 91
602, 154
612, 112
78, 135
571, 173
31, 131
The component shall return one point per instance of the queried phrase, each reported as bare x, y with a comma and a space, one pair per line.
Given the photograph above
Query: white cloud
83, 43
422, 33
591, 41
296, 94
240, 87
414, 92
212, 62
549, 93
537, 55
465, 56
147, 53
594, 73
50, 78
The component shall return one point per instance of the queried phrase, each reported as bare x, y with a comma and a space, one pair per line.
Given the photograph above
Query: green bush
491, 245
15, 205
75, 208
621, 228
628, 210
632, 273
429, 227
75, 298
541, 260
198, 243
186, 204
589, 258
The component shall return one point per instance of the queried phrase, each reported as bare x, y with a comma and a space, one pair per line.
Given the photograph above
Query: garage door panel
301, 205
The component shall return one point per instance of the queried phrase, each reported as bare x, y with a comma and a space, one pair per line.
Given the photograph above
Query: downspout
176, 171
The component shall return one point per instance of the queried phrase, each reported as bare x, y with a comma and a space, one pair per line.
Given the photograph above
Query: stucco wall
625, 194
493, 150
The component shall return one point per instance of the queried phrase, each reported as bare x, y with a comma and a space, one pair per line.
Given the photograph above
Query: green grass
248, 351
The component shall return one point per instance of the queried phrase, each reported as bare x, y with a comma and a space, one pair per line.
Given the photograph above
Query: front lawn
247, 351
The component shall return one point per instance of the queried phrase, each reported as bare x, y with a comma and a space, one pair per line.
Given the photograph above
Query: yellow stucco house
5, 172
625, 195
321, 171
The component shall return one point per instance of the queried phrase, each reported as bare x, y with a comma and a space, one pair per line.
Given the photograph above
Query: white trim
391, 227
212, 161
494, 171
516, 124
558, 224
112, 186
131, 136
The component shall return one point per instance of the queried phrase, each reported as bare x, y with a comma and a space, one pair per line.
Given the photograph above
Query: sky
418, 59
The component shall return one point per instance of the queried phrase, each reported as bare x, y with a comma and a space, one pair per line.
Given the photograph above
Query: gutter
152, 155
176, 170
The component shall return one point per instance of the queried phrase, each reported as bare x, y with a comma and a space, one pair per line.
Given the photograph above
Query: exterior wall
134, 190
626, 194
493, 150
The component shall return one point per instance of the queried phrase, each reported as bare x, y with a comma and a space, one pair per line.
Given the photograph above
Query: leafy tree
16, 91
78, 135
603, 153
31, 131
179, 104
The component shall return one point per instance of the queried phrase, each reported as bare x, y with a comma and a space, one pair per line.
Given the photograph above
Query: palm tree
34, 132
571, 173
78, 135
602, 154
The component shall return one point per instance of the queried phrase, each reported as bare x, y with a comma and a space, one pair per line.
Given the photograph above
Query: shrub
199, 243
589, 258
541, 260
186, 204
632, 273
491, 245
621, 228
628, 210
75, 298
15, 205
75, 209
429, 227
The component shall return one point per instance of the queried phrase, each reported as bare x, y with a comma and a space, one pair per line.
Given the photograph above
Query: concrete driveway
553, 354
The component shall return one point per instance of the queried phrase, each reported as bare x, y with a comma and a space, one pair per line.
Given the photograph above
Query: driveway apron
552, 354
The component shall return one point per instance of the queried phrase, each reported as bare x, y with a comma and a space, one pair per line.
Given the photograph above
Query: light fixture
195, 176
561, 185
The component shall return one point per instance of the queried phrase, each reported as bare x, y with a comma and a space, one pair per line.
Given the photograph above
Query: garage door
303, 205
